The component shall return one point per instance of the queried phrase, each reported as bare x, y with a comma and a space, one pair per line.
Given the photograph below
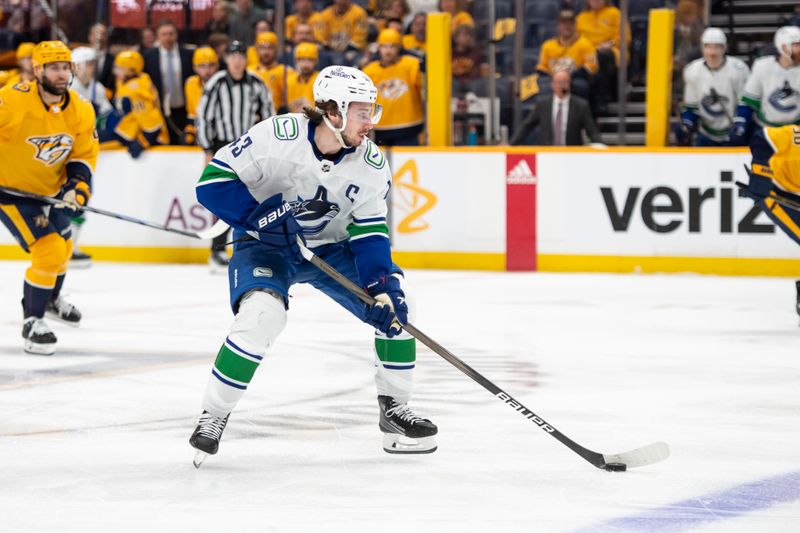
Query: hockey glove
135, 149
272, 223
738, 132
390, 312
682, 135
74, 195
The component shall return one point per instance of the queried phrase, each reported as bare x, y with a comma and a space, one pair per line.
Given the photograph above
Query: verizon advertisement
651, 204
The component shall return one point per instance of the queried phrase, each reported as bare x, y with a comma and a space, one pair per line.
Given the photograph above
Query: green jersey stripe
355, 231
233, 366
215, 173
396, 350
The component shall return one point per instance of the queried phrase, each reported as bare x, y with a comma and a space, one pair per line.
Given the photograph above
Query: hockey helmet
714, 36
25, 50
389, 36
51, 52
267, 37
306, 51
131, 60
83, 54
204, 55
785, 37
345, 85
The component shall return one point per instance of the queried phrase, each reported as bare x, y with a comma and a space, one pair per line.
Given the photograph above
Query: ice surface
95, 438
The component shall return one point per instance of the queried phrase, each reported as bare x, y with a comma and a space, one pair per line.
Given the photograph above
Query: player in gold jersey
25, 64
399, 82
300, 87
775, 178
274, 75
48, 145
141, 124
206, 63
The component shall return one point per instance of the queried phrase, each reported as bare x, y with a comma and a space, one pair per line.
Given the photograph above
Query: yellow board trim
721, 266
450, 260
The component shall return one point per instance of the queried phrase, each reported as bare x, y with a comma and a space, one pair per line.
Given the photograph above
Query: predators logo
392, 89
52, 148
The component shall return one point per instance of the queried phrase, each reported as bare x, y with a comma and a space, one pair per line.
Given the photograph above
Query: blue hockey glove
682, 135
390, 312
739, 131
758, 188
135, 149
272, 223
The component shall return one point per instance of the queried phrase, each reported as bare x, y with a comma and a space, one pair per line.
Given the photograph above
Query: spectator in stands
142, 124
98, 39
147, 39
206, 63
399, 83
220, 21
300, 89
219, 42
169, 65
243, 21
304, 14
391, 9
304, 33
346, 26
600, 24
415, 40
262, 26
686, 41
561, 118
274, 75
468, 60
459, 16
569, 51
25, 63
712, 88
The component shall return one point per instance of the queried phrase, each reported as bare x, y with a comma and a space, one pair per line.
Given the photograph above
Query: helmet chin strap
337, 132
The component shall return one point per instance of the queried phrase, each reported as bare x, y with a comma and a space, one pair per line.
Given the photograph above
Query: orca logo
784, 99
714, 104
314, 214
53, 148
262, 272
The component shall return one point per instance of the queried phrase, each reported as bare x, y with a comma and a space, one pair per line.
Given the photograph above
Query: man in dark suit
104, 73
561, 118
169, 66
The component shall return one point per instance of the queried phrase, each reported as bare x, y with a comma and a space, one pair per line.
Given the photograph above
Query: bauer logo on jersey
53, 148
314, 214
784, 99
392, 89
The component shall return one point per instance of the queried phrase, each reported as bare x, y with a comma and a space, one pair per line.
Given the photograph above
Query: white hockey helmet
786, 37
83, 54
345, 85
714, 36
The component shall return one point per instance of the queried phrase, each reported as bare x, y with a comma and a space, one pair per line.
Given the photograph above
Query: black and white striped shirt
228, 108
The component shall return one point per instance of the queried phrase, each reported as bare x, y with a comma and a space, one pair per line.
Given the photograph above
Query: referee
233, 101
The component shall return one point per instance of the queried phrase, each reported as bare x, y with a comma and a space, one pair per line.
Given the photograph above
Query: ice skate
63, 311
219, 262
80, 260
403, 430
39, 338
206, 436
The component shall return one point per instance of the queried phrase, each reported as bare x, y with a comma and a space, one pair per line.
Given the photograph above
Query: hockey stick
217, 229
780, 200
617, 462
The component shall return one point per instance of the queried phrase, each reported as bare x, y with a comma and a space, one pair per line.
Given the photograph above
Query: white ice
95, 438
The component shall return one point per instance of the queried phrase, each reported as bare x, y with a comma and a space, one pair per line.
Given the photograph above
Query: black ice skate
39, 339
206, 436
219, 261
80, 260
404, 431
63, 311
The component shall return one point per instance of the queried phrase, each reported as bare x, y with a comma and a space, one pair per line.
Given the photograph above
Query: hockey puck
615, 467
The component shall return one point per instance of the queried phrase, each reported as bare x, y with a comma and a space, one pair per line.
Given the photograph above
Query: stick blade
219, 227
646, 455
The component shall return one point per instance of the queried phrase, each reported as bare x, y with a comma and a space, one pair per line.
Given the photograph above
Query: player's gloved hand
74, 195
682, 135
738, 132
272, 223
125, 105
390, 312
189, 135
135, 148
758, 188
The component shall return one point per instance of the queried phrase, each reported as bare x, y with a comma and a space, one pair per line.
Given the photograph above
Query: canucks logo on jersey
715, 104
784, 99
52, 148
314, 214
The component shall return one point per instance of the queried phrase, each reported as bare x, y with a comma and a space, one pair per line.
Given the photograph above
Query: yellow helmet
306, 51
130, 59
267, 37
206, 54
389, 36
25, 50
51, 52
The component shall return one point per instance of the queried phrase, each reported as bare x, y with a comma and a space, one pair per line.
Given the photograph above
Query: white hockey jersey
95, 93
332, 200
714, 94
773, 92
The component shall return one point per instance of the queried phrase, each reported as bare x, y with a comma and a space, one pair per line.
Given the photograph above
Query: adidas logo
521, 174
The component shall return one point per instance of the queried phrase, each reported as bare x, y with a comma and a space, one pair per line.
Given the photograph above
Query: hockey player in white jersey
771, 96
712, 88
313, 175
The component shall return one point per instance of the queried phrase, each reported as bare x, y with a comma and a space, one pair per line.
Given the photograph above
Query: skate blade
400, 444
39, 349
199, 457
53, 316
80, 264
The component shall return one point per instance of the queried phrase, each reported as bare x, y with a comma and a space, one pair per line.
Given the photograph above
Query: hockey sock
394, 368
57, 289
49, 255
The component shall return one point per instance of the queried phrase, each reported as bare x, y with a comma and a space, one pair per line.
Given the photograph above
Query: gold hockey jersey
399, 92
145, 114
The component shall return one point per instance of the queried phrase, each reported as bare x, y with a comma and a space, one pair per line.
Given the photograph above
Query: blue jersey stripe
368, 220
254, 356
223, 164
227, 382
395, 367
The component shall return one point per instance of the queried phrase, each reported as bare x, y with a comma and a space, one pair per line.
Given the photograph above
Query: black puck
615, 467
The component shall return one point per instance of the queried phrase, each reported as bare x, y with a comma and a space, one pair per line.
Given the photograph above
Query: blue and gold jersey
38, 143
